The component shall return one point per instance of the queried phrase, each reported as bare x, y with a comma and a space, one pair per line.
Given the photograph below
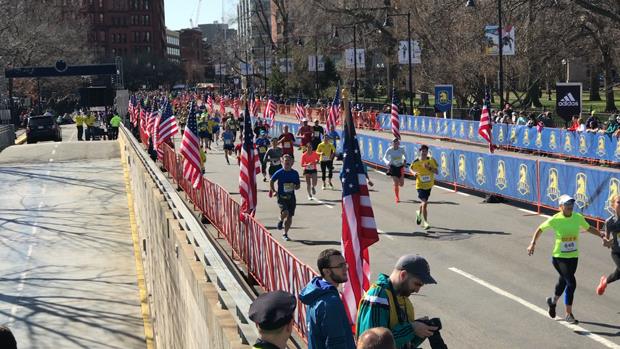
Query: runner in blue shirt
288, 182
262, 144
229, 143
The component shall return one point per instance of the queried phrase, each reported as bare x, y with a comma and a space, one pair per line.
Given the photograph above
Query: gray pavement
68, 273
490, 293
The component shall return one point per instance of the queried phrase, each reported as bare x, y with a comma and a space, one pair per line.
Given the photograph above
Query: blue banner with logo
443, 97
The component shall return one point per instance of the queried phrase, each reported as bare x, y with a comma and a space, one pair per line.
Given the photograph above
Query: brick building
192, 54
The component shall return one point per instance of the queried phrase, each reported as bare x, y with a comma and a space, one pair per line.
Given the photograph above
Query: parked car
43, 128
64, 119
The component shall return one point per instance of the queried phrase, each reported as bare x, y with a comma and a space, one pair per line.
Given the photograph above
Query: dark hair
7, 340
323, 260
424, 146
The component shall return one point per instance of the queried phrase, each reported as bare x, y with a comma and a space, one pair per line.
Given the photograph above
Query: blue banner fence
536, 182
555, 141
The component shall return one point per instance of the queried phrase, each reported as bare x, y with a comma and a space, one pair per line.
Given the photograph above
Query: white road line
527, 211
446, 189
381, 172
545, 215
463, 194
384, 234
582, 331
53, 151
51, 160
323, 203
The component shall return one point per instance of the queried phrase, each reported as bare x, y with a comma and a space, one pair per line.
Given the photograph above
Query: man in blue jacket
326, 317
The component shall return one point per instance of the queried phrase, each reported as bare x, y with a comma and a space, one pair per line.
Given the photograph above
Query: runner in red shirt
305, 132
286, 141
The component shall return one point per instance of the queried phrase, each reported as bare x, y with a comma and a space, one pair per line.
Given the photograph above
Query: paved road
490, 293
68, 273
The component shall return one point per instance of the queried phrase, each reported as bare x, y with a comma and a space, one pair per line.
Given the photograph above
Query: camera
435, 322
435, 340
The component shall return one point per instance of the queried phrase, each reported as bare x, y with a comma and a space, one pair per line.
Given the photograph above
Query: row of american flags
359, 231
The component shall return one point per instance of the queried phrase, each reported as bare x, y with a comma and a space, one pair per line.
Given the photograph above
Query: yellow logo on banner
600, 148
480, 177
500, 180
438, 126
526, 136
462, 167
553, 143
430, 126
415, 124
462, 131
361, 143
409, 123
380, 144
423, 128
581, 193
553, 189
471, 131
523, 186
538, 139
443, 97
567, 143
445, 171
500, 136
583, 146
453, 129
513, 135
614, 189
370, 150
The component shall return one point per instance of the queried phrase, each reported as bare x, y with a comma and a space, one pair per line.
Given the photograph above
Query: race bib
325, 158
262, 149
286, 144
317, 134
227, 141
568, 246
275, 162
425, 179
289, 187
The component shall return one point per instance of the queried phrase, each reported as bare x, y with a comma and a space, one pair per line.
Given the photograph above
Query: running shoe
324, 187
280, 225
426, 226
285, 237
602, 286
418, 217
264, 179
331, 186
310, 198
571, 319
551, 307
313, 191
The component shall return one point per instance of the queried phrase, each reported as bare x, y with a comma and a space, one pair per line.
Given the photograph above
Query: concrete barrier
194, 304
7, 136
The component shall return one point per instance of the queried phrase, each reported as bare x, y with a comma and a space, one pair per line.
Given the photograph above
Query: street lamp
500, 45
335, 35
387, 23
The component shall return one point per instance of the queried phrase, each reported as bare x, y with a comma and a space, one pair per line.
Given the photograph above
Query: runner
211, 124
258, 127
396, 159
567, 225
274, 157
262, 144
202, 129
309, 159
229, 143
232, 126
612, 228
425, 168
305, 132
317, 134
216, 128
327, 151
287, 140
288, 182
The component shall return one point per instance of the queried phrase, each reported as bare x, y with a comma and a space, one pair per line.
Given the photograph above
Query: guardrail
7, 136
271, 265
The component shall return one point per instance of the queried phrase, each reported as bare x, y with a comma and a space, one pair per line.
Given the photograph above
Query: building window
147, 20
101, 18
146, 4
101, 36
148, 49
101, 3
147, 36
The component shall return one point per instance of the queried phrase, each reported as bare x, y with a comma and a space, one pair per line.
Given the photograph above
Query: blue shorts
424, 194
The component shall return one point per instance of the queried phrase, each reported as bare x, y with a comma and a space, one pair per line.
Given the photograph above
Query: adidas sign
568, 101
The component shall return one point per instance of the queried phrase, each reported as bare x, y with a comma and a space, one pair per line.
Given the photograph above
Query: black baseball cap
417, 266
272, 310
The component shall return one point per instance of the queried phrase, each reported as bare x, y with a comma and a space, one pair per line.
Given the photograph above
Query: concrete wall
7, 136
185, 310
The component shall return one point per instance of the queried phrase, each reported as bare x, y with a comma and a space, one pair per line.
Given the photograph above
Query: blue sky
178, 12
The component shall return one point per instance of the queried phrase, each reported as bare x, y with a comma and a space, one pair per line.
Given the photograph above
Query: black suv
43, 128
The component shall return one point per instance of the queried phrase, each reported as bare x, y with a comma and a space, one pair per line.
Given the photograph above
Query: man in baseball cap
273, 314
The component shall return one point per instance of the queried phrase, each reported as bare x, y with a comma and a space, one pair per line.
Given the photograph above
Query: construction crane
197, 11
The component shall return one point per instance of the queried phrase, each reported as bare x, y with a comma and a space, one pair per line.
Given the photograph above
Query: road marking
323, 203
463, 194
384, 234
446, 189
53, 151
582, 331
51, 160
545, 215
381, 172
527, 211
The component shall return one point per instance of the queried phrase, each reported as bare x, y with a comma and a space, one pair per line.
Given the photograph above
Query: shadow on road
318, 242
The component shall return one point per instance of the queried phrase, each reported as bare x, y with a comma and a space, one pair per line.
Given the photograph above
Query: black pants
616, 274
90, 133
113, 132
567, 283
327, 165
80, 131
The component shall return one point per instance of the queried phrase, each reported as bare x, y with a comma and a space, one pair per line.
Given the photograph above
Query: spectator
546, 119
376, 338
326, 318
521, 120
574, 124
531, 120
592, 123
613, 126
474, 112
390, 295
7, 340
273, 314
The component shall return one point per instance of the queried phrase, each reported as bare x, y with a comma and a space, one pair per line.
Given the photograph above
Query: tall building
192, 54
127, 28
254, 22
173, 46
215, 32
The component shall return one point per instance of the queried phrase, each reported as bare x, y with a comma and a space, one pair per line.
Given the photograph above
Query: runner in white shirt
395, 158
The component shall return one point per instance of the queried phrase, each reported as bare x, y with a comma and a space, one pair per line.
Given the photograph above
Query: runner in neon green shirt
567, 225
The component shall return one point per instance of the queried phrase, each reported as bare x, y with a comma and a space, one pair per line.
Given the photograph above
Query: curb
21, 139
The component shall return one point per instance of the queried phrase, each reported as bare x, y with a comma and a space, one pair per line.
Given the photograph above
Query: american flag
334, 111
142, 113
133, 110
249, 167
235, 107
300, 111
359, 230
210, 104
222, 106
166, 129
484, 126
190, 150
254, 106
394, 118
270, 111
150, 119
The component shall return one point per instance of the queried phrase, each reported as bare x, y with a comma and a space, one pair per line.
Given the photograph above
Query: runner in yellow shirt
425, 168
326, 151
